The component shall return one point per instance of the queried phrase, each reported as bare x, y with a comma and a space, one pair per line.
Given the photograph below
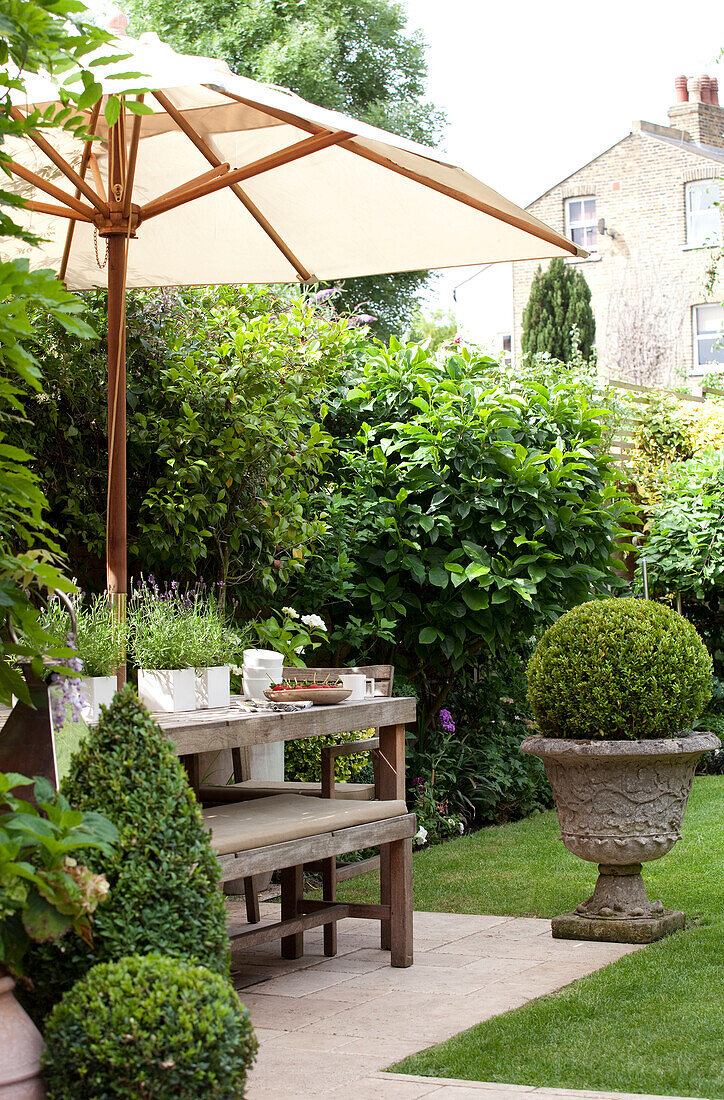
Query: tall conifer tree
558, 314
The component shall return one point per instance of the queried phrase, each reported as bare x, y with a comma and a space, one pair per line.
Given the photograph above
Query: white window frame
582, 223
703, 226
700, 334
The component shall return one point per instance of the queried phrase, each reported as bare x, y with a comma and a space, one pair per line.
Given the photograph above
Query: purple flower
446, 721
361, 319
324, 295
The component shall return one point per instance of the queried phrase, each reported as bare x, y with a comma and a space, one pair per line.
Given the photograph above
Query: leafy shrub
149, 1026
302, 758
468, 506
685, 548
163, 875
44, 892
664, 435
477, 767
619, 669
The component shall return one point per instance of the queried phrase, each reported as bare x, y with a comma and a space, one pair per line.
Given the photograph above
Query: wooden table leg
391, 772
329, 893
400, 852
253, 913
292, 890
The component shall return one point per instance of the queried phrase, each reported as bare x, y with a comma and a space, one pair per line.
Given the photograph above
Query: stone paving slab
328, 1027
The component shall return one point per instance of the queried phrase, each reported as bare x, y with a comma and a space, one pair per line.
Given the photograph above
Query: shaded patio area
328, 1026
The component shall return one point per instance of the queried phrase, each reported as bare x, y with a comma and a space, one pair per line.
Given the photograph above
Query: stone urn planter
21, 1045
614, 685
620, 804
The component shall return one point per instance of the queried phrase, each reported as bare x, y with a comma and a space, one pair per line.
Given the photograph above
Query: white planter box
96, 691
212, 687
167, 689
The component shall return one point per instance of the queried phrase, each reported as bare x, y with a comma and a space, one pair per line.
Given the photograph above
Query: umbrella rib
541, 232
58, 212
266, 164
283, 116
195, 185
84, 162
64, 167
206, 151
132, 155
49, 188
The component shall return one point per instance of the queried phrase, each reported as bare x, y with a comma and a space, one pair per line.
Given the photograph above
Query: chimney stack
697, 111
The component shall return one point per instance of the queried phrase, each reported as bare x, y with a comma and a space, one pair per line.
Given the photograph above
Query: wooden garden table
197, 731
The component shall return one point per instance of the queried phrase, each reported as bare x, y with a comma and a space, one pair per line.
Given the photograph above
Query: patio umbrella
232, 181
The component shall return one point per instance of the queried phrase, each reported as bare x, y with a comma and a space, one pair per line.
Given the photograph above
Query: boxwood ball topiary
148, 1026
620, 668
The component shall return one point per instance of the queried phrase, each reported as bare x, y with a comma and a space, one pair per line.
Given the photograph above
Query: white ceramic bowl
262, 658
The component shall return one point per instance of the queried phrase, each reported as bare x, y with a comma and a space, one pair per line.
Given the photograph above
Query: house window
703, 221
708, 337
581, 222
507, 349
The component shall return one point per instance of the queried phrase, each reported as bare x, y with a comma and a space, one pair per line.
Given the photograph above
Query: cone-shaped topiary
149, 1026
163, 875
620, 668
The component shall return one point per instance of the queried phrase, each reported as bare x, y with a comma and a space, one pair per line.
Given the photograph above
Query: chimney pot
705, 89
714, 91
682, 94
117, 21
694, 86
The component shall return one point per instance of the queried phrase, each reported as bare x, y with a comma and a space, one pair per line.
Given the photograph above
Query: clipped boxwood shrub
619, 668
149, 1026
163, 875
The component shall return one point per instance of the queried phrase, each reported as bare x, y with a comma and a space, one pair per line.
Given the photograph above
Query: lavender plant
171, 628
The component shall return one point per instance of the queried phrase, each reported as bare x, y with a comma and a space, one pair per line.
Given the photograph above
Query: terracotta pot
620, 804
21, 1045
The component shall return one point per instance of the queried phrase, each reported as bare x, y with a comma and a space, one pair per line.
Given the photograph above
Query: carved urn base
620, 803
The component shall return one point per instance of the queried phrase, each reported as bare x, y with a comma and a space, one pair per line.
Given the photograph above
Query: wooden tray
320, 696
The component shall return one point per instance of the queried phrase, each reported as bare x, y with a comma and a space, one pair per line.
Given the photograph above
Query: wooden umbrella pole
116, 521
116, 556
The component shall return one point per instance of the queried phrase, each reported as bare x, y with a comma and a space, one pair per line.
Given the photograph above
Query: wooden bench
286, 832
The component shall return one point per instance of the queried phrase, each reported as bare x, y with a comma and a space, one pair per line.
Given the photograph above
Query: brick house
648, 211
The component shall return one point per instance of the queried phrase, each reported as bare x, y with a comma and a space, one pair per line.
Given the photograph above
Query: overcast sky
534, 90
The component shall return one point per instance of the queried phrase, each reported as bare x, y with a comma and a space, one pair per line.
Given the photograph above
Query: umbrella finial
117, 21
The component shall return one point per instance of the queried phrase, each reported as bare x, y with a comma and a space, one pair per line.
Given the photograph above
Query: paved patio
328, 1027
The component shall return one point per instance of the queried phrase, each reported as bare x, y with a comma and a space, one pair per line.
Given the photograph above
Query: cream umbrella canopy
228, 181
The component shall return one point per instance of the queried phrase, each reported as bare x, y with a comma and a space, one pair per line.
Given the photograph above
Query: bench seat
264, 788
242, 826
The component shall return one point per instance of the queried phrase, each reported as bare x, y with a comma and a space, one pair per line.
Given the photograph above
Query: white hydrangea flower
314, 621
291, 612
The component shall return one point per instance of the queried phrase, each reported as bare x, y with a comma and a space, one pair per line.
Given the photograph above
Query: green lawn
652, 1022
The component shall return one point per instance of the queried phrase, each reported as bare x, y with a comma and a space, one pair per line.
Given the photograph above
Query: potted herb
615, 686
221, 646
99, 640
44, 893
165, 644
